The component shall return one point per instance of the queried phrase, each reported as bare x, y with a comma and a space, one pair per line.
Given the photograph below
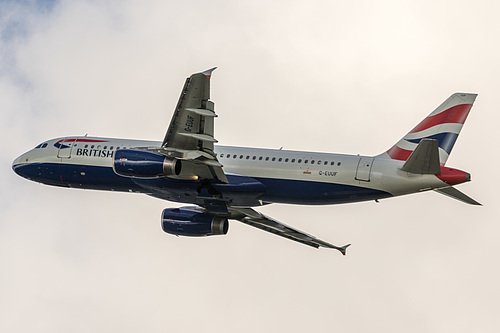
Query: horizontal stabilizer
424, 159
456, 194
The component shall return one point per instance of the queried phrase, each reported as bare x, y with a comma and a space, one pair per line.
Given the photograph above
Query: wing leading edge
191, 127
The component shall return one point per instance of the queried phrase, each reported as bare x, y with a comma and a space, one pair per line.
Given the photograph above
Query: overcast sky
329, 76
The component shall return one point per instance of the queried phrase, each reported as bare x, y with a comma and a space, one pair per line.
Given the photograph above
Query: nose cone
19, 164
16, 163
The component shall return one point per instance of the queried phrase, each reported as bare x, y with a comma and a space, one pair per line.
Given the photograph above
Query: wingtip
343, 249
208, 72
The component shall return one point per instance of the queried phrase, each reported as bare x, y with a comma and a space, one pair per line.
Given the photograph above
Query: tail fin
443, 124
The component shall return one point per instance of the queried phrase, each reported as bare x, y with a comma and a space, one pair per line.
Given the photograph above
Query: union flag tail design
443, 124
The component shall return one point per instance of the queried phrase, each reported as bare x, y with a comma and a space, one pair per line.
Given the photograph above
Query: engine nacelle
144, 164
185, 222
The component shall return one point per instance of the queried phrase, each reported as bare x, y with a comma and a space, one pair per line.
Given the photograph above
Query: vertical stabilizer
443, 124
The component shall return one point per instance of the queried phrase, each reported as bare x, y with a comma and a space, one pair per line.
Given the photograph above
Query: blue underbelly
241, 190
316, 193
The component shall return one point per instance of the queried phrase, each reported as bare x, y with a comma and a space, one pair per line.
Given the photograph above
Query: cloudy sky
329, 76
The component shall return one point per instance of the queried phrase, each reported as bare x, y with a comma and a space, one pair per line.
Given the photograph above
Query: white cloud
326, 76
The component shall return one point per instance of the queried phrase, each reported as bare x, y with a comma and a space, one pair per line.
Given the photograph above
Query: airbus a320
222, 183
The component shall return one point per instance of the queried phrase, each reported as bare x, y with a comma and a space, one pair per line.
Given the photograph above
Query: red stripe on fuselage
454, 115
81, 140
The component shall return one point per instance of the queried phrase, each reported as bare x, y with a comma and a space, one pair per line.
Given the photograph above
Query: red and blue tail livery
221, 183
443, 124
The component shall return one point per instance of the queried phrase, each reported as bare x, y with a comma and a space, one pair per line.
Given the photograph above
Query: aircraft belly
316, 193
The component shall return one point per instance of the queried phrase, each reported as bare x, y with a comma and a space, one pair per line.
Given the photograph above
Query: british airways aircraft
224, 183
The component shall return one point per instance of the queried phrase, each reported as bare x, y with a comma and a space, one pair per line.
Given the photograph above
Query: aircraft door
364, 169
65, 148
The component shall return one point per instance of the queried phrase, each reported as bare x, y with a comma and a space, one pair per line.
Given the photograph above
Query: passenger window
306, 161
279, 159
241, 157
293, 160
105, 147
248, 157
111, 148
333, 163
86, 146
267, 158
92, 147
260, 158
274, 159
338, 164
326, 162
286, 160
234, 156
299, 161
253, 158
312, 162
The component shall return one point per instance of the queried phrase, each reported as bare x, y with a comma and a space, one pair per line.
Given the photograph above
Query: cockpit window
41, 145
44, 145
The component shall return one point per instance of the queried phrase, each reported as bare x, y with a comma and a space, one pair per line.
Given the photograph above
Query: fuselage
256, 176
225, 182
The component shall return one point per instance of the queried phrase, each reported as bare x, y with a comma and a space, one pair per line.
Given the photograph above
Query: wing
190, 136
263, 222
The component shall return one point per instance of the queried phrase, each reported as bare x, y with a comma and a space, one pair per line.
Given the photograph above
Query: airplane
222, 183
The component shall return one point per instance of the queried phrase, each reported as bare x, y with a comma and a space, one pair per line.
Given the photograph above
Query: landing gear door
364, 169
65, 147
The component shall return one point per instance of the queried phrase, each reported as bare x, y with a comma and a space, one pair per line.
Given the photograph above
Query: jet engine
186, 222
144, 164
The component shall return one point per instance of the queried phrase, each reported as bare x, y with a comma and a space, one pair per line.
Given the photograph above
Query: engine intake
144, 164
186, 222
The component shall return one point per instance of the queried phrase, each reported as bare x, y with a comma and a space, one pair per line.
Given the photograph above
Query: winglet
208, 72
343, 248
